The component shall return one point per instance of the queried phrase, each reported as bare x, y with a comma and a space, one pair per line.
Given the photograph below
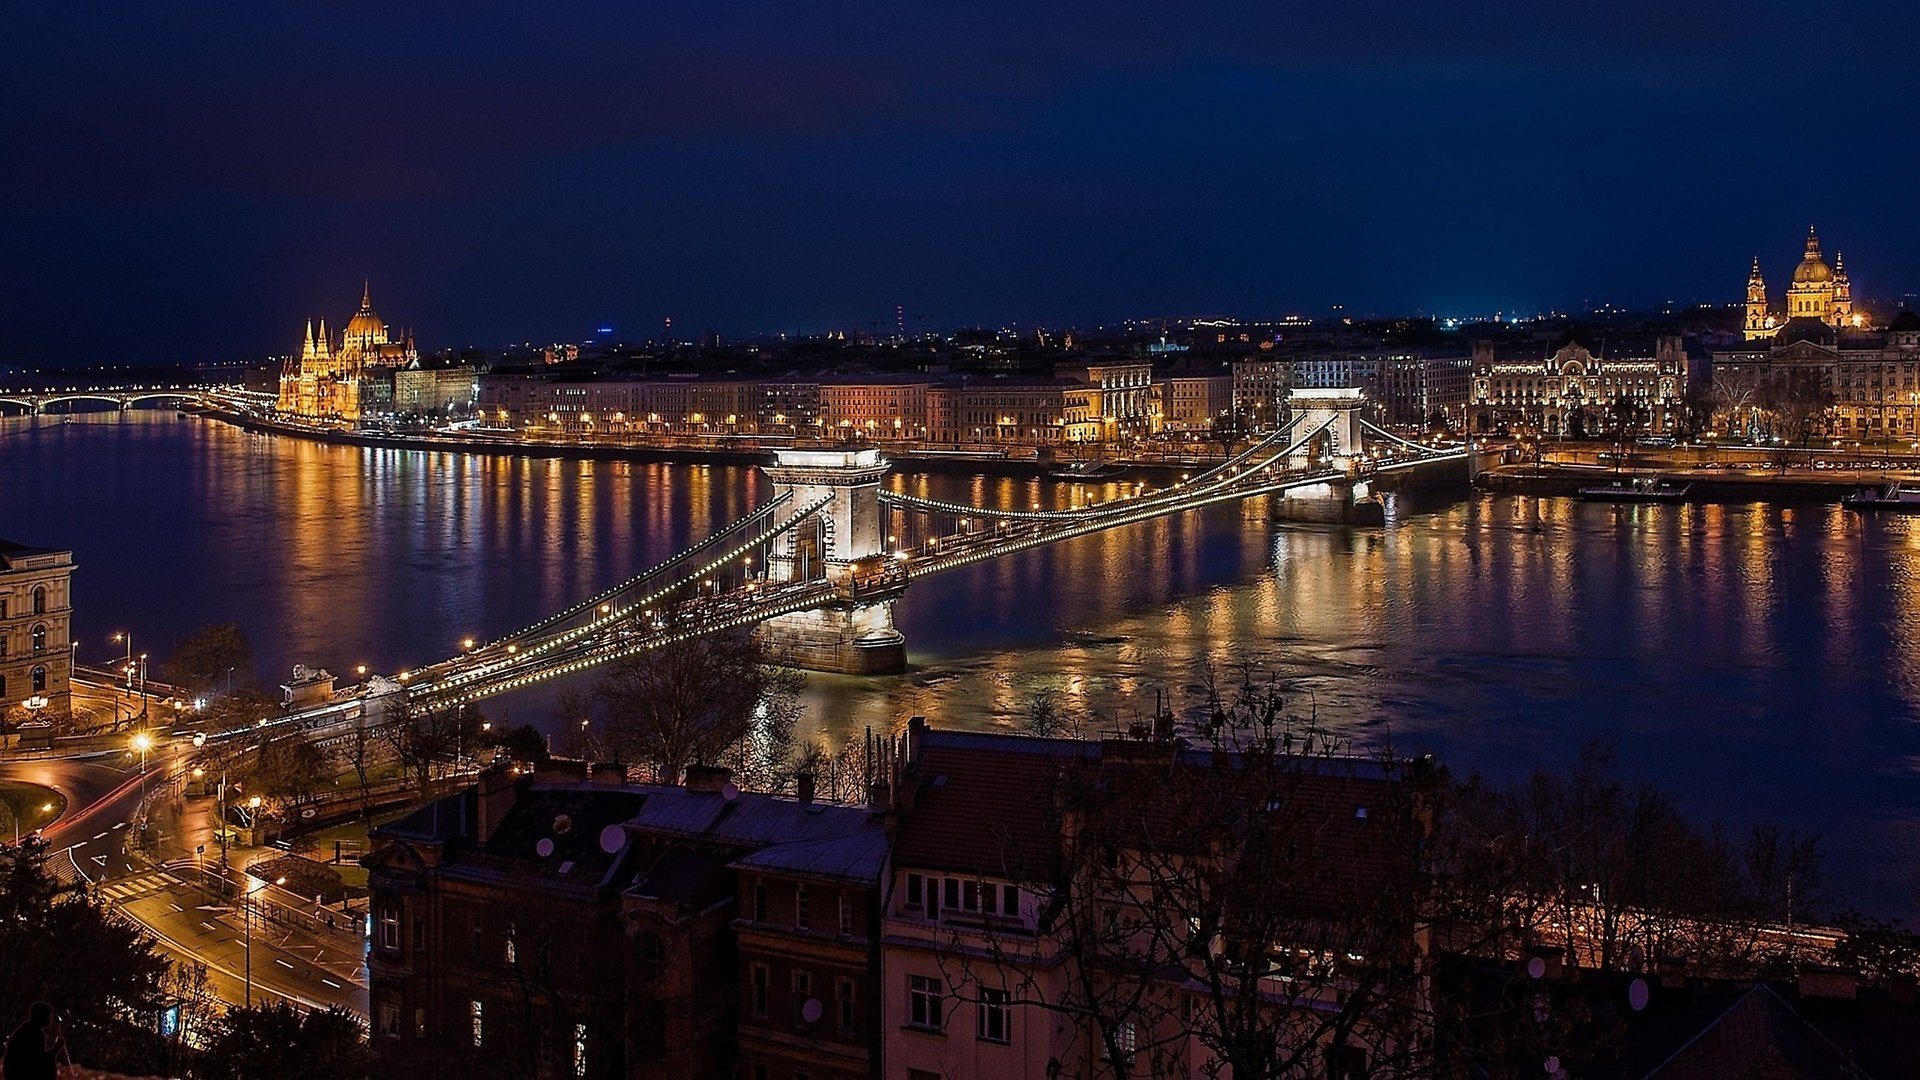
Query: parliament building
347, 379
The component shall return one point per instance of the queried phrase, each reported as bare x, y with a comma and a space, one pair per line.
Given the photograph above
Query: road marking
208, 925
96, 836
283, 963
331, 983
122, 825
100, 859
175, 907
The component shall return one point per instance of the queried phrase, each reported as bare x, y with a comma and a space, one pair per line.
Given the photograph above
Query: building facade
348, 379
1574, 391
1850, 384
1194, 402
36, 621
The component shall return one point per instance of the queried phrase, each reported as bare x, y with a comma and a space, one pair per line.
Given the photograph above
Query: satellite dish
544, 848
729, 792
612, 839
811, 1010
561, 823
1536, 968
1637, 994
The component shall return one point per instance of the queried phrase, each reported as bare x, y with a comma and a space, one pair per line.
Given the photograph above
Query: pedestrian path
133, 888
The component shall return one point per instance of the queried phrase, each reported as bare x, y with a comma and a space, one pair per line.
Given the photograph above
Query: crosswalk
133, 888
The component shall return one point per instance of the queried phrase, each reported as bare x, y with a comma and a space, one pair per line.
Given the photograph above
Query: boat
1087, 470
1892, 497
1639, 489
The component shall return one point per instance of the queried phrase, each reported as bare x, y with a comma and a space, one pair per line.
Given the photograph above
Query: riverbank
905, 460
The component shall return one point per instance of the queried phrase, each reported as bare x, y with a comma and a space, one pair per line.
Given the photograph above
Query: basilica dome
1812, 270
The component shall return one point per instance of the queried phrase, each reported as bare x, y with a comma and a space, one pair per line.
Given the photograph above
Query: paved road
177, 902
101, 802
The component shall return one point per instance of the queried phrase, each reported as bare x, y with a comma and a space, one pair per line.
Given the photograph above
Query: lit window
579, 1049
475, 1017
389, 929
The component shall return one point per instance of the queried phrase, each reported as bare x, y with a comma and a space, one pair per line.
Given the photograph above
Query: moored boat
1639, 489
1892, 497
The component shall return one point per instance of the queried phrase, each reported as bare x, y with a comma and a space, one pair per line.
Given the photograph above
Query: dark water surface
1762, 660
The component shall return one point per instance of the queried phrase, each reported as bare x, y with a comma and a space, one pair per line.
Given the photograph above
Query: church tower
1759, 323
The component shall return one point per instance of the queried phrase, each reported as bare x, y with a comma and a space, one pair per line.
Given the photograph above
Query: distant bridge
816, 569
126, 397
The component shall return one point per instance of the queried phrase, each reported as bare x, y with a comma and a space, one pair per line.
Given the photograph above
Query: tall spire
1813, 243
366, 294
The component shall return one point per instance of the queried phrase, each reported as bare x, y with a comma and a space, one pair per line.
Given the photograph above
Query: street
179, 902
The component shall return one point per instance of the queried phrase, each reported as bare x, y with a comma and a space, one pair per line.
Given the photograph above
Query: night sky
188, 182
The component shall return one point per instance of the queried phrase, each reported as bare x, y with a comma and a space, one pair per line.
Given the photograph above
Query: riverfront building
36, 619
1579, 389
346, 379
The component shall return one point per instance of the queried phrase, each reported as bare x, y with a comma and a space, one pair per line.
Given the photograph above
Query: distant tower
1758, 324
1842, 292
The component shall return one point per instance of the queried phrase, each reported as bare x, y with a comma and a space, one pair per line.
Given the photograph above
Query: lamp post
246, 917
142, 742
143, 687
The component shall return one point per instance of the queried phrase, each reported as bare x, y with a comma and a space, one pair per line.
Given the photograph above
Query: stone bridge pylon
840, 544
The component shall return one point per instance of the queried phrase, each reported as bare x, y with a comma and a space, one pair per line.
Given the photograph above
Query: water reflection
1760, 659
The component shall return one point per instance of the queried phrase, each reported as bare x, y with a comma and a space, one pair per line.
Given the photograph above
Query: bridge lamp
513, 648
466, 643
361, 670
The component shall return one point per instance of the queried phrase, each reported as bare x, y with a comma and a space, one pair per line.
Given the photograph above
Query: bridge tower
1339, 410
839, 544
1340, 501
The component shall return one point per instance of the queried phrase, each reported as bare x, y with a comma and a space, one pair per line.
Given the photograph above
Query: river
1761, 660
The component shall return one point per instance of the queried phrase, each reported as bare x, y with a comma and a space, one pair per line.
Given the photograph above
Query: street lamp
246, 917
142, 742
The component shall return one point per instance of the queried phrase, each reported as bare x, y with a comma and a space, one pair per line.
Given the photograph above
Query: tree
274, 1040
244, 708
60, 944
421, 736
524, 744
691, 702
287, 770
201, 662
1799, 400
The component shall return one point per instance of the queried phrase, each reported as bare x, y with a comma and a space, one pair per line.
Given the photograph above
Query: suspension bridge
125, 397
816, 569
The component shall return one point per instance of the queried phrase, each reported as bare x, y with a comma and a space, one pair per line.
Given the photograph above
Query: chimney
916, 734
803, 787
609, 774
494, 796
707, 777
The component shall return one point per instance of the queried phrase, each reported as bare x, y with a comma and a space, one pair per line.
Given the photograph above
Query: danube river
1761, 660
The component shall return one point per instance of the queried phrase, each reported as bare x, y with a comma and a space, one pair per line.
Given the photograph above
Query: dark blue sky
192, 181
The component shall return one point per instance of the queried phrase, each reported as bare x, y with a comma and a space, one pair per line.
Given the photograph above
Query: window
952, 892
653, 948
1010, 900
916, 887
843, 1002
846, 914
476, 1019
40, 600
579, 1049
390, 929
923, 1003
996, 1016
512, 949
759, 980
39, 637
388, 1026
802, 983
759, 901
419, 1023
3, 638
802, 909
419, 934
